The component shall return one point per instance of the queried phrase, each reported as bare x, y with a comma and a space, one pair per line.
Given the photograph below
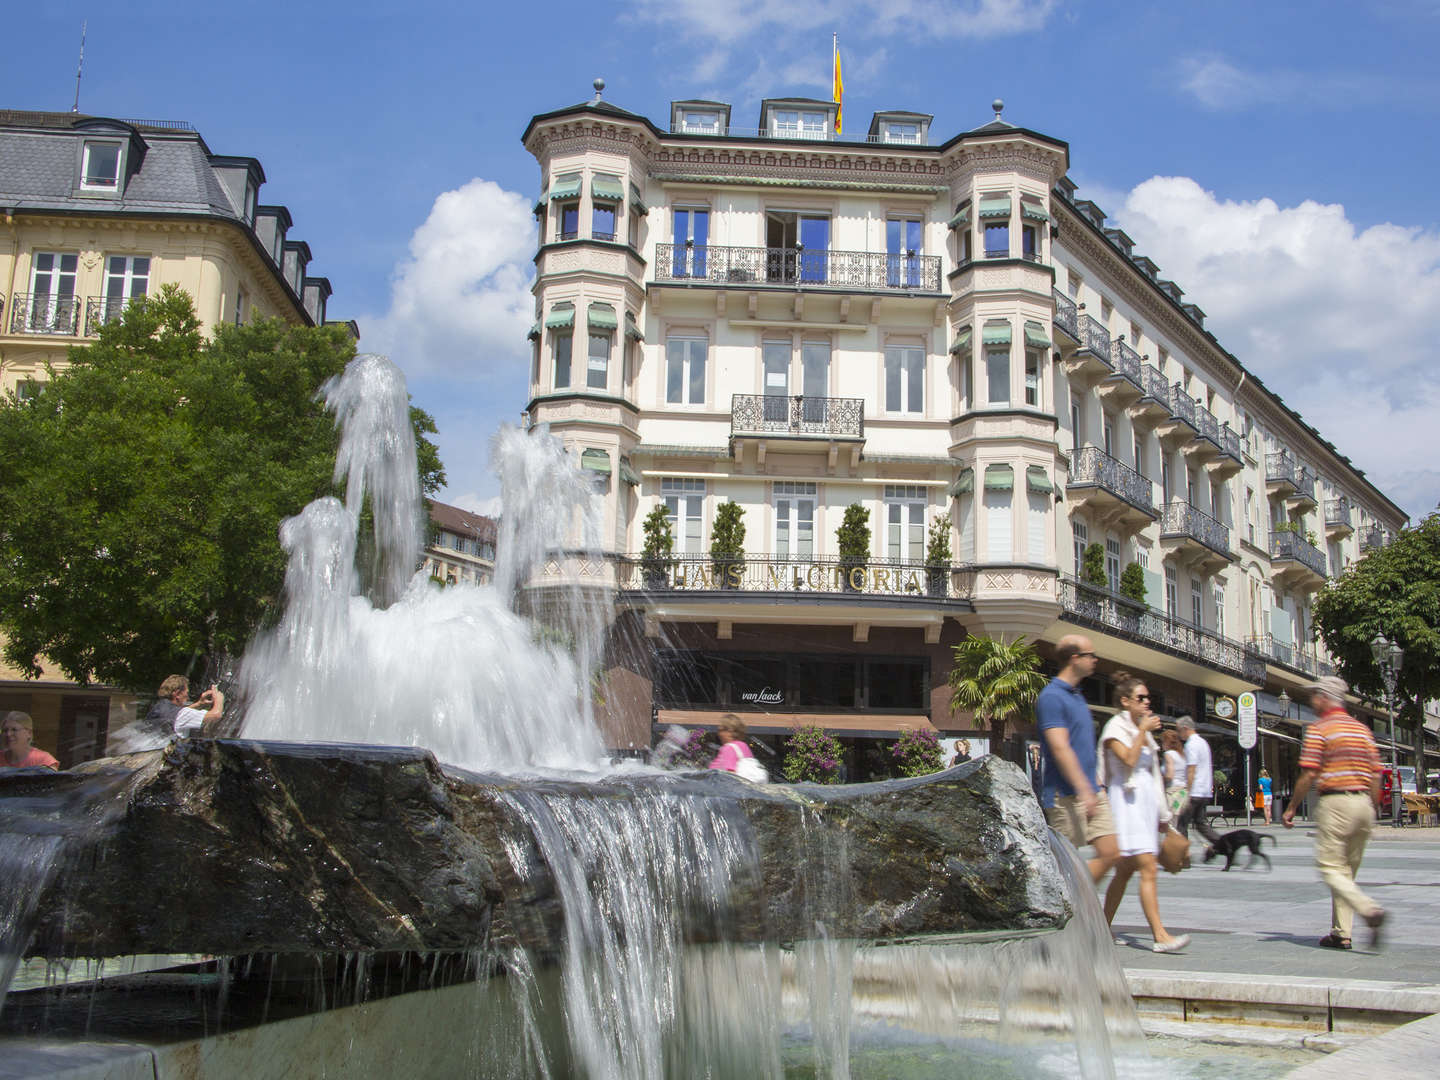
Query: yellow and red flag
837, 93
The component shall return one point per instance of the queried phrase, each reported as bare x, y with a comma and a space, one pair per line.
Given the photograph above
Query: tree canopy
998, 681
142, 488
1394, 591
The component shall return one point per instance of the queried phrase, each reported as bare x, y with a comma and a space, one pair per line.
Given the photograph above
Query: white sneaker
1121, 941
1173, 945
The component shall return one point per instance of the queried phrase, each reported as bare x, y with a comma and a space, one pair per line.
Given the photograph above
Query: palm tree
996, 681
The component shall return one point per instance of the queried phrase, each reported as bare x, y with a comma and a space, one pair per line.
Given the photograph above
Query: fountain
541, 911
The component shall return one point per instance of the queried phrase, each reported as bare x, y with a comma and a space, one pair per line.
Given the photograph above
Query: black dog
1230, 844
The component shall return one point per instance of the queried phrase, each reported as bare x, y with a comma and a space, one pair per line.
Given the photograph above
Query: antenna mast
81, 69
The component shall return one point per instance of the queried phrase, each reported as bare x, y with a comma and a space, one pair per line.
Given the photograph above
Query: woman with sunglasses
1130, 771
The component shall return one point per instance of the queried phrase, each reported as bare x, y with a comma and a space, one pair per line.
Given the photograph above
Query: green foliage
1093, 571
937, 543
1132, 582
727, 535
852, 538
659, 540
1394, 591
998, 682
918, 753
142, 490
812, 756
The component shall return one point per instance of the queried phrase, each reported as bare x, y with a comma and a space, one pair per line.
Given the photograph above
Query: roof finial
999, 107
599, 85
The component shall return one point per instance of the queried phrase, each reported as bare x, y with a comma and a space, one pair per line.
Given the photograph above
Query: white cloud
732, 20
1335, 318
1217, 83
478, 504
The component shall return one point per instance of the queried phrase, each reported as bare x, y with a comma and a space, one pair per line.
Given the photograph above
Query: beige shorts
1067, 817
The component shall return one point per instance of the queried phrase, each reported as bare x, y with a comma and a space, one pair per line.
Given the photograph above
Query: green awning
601, 316
963, 484
597, 461
999, 478
962, 217
627, 474
561, 317
1033, 211
995, 333
1036, 480
1035, 335
962, 340
566, 186
539, 207
534, 331
605, 188
632, 331
636, 202
995, 206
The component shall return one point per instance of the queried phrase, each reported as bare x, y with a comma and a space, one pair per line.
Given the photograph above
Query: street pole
1389, 657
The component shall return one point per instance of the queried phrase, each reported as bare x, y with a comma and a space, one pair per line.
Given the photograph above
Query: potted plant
813, 756
659, 543
727, 545
937, 556
1132, 583
997, 682
852, 540
1093, 570
917, 752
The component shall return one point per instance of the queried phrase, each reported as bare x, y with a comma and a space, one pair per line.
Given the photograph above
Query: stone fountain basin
231, 847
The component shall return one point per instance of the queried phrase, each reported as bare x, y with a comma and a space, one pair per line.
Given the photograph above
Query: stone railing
1102, 609
1067, 318
869, 270
780, 414
1091, 465
1285, 544
1095, 337
699, 573
1125, 361
1179, 518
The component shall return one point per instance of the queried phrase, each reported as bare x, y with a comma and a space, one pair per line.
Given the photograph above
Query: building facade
933, 330
460, 546
95, 213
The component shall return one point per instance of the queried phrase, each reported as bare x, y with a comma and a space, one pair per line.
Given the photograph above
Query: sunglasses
1080, 654
1139, 697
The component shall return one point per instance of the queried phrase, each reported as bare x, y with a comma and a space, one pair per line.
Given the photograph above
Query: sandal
1334, 941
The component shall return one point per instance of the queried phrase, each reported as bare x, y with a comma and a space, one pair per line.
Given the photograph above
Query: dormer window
900, 131
250, 196
100, 169
700, 122
799, 124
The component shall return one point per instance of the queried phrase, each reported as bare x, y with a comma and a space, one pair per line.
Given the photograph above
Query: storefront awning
962, 340
995, 333
846, 725
996, 206
597, 461
561, 317
1035, 336
963, 484
605, 188
999, 478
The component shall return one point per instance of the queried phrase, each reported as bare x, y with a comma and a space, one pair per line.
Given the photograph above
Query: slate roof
462, 522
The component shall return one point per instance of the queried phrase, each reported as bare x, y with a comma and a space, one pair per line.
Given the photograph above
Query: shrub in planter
659, 543
1132, 583
937, 555
1093, 570
727, 545
917, 752
852, 540
812, 756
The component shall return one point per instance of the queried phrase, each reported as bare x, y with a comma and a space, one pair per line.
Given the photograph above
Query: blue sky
1277, 160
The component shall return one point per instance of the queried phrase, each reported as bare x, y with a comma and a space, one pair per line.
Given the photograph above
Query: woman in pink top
17, 736
733, 746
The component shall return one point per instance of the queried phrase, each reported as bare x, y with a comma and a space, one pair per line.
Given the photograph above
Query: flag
837, 93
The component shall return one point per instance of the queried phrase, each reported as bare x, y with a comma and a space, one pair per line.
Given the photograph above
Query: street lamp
1389, 657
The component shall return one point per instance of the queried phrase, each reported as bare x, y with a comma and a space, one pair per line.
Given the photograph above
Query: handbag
1174, 851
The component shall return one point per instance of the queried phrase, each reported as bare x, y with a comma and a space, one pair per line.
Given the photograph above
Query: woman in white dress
1130, 771
1176, 795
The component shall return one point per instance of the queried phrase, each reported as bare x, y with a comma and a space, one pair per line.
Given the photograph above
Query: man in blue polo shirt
1074, 806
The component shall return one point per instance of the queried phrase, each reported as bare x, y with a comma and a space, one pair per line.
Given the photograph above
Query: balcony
1154, 403
1297, 562
100, 310
1123, 386
1100, 609
1229, 462
856, 271
46, 315
800, 422
1092, 360
1298, 659
1119, 496
1303, 497
1372, 538
1285, 478
1200, 540
1179, 428
797, 133
1338, 523
1066, 322
902, 579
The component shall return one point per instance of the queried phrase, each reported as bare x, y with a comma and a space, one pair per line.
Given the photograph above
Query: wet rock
233, 847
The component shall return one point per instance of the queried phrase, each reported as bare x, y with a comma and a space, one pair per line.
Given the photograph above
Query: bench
1214, 810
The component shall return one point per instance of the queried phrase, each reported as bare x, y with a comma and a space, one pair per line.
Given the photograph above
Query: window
965, 519
1250, 514
700, 122
997, 239
815, 380
1164, 478
905, 522
1138, 448
1107, 428
1037, 519
903, 238
904, 378
1172, 593
794, 519
126, 277
100, 169
900, 131
1076, 425
242, 302
602, 221
560, 345
1032, 377
1112, 563
569, 220
597, 369
967, 245
691, 231
1029, 243
1142, 556
53, 305
1217, 501
776, 358
1080, 537
1196, 613
685, 370
997, 370
28, 389
1218, 596
999, 544
1073, 281
250, 194
798, 246
684, 505
1107, 309
1192, 488
798, 124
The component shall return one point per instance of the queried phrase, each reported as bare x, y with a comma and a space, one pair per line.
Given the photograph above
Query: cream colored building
461, 546
96, 212
798, 320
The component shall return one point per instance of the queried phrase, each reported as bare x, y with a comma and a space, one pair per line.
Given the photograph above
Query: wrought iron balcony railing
42, 313
1179, 518
1125, 361
1305, 484
1153, 384
1280, 466
1296, 658
1095, 337
1337, 511
1104, 610
776, 414
1372, 538
869, 270
1067, 318
1091, 465
1229, 441
1285, 544
1182, 405
100, 310
1206, 426
701, 573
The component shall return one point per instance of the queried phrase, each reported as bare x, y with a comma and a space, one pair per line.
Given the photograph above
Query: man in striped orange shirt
1340, 759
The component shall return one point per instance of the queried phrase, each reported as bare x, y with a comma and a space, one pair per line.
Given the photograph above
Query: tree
727, 544
852, 538
996, 681
142, 489
1394, 591
937, 543
1093, 571
659, 543
1132, 582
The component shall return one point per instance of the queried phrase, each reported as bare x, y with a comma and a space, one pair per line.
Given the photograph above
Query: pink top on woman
36, 758
728, 759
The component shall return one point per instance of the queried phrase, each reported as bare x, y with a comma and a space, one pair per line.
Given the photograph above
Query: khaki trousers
1342, 827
